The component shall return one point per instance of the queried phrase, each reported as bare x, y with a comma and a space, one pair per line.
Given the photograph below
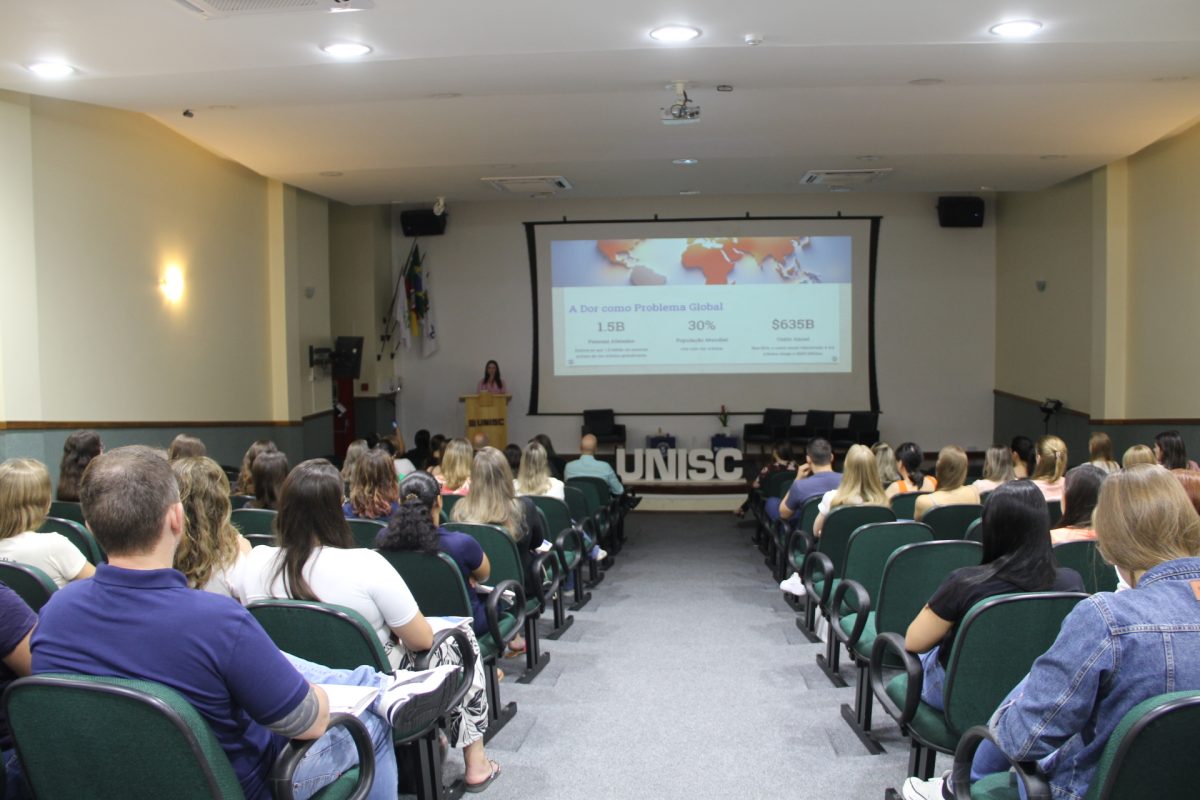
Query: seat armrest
799, 545
492, 607
291, 756
859, 601
545, 564
912, 666
467, 654
818, 564
1036, 785
569, 539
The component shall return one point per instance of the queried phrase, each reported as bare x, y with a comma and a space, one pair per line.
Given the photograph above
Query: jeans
334, 753
934, 679
14, 783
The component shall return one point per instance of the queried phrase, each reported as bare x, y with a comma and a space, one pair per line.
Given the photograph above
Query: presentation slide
712, 305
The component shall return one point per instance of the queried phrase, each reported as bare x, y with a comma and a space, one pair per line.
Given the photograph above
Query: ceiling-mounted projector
683, 110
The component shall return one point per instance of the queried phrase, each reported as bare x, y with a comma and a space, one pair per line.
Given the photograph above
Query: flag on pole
429, 343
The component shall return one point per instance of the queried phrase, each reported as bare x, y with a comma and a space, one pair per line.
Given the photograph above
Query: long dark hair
1174, 453
411, 527
497, 381
310, 516
1023, 447
1016, 537
1080, 495
910, 455
78, 451
269, 471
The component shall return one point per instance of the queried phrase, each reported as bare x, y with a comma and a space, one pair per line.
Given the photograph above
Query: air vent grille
216, 9
529, 184
843, 177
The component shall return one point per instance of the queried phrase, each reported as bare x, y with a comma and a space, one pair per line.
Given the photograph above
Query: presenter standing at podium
492, 383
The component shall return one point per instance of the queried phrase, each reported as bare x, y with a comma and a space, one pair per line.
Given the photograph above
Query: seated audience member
885, 459
245, 481
1050, 466
421, 450
951, 472
1137, 454
587, 465
437, 444
317, 560
1017, 557
374, 492
781, 461
353, 453
1100, 450
1171, 452
533, 474
997, 469
78, 451
184, 446
512, 453
454, 474
860, 486
1023, 454
558, 464
24, 503
479, 441
814, 478
1189, 479
909, 458
1115, 650
252, 696
270, 470
1078, 502
16, 629
211, 549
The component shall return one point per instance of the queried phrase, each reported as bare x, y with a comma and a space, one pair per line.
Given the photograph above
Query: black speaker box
347, 357
960, 212
422, 222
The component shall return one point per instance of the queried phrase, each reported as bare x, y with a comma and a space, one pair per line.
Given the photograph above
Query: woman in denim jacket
1114, 650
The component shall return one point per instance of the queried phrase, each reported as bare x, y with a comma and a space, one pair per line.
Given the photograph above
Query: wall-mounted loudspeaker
960, 212
422, 222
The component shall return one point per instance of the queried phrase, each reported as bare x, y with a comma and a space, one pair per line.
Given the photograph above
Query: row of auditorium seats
331, 635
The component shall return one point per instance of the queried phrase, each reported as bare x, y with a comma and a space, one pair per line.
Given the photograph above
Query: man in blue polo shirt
136, 618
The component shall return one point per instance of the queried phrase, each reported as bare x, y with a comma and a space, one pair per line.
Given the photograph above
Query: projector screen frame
531, 245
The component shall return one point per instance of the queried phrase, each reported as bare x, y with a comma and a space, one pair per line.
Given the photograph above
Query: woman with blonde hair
1050, 466
353, 453
1101, 451
860, 486
374, 491
534, 476
78, 451
885, 459
1115, 650
1136, 455
454, 473
997, 469
211, 549
245, 482
951, 472
184, 446
24, 503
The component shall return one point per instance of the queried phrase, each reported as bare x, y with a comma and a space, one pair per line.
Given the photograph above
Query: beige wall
1164, 278
1043, 338
360, 285
312, 276
935, 315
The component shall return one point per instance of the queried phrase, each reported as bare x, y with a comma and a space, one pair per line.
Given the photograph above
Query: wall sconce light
171, 284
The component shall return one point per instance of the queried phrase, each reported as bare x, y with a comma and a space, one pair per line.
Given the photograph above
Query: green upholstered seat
165, 748
64, 509
253, 520
365, 531
951, 522
826, 563
29, 582
448, 501
1084, 557
974, 532
237, 501
78, 535
905, 504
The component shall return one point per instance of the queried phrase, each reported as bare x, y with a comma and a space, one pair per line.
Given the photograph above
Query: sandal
483, 784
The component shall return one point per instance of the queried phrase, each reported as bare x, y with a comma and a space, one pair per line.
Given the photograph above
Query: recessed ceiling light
724, 87
926, 81
51, 69
541, 195
330, 173
1052, 157
1015, 28
870, 158
345, 49
1171, 79
986, 189
673, 34
685, 162
690, 192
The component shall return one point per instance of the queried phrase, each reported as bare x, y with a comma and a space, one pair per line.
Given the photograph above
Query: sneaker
932, 789
413, 699
793, 585
598, 553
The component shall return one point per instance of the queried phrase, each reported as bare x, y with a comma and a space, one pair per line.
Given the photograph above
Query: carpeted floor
685, 677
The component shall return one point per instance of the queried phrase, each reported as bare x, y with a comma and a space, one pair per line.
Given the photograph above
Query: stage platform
723, 496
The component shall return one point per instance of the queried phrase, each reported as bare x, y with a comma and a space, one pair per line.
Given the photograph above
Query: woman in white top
211, 551
318, 561
24, 503
860, 486
534, 476
1050, 467
951, 472
997, 469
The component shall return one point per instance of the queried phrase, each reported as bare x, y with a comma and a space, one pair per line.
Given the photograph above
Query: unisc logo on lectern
679, 465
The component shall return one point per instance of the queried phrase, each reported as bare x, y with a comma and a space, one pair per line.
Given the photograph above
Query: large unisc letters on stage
676, 466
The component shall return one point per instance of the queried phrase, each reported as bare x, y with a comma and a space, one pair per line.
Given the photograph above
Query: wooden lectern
488, 414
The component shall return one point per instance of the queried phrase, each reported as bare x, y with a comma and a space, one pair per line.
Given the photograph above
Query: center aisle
685, 677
